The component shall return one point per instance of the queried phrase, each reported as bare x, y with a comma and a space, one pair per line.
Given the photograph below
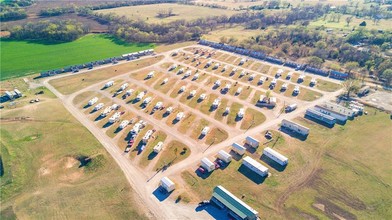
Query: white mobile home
167, 184
332, 113
124, 86
207, 164
312, 113
255, 166
252, 142
339, 109
275, 156
205, 130
223, 155
239, 149
99, 106
297, 128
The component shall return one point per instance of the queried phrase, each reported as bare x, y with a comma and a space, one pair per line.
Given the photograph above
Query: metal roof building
238, 208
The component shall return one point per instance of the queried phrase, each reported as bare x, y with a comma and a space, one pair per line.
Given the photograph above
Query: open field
333, 170
148, 13
19, 58
383, 24
80, 81
46, 174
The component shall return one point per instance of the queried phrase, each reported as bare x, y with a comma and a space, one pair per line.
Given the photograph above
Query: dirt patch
70, 162
331, 210
43, 171
71, 176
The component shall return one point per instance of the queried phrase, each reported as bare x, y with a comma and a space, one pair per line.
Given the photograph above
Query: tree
350, 66
349, 86
387, 75
348, 20
362, 24
285, 47
315, 61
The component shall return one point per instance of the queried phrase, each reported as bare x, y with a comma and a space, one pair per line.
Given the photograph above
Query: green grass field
41, 176
20, 58
343, 171
383, 24
148, 13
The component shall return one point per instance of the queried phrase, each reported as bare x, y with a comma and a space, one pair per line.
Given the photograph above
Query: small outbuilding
167, 184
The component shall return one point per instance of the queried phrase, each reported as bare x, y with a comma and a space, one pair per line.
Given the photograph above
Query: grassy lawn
342, 169
73, 83
149, 154
238, 32
42, 173
19, 58
148, 13
252, 118
231, 118
173, 152
382, 24
327, 86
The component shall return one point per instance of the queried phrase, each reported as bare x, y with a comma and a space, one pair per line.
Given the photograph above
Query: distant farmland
149, 12
20, 58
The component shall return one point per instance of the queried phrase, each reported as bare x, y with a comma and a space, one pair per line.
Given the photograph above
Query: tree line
52, 31
13, 9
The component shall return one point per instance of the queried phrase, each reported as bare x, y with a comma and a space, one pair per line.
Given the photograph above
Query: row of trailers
274, 60
330, 113
91, 65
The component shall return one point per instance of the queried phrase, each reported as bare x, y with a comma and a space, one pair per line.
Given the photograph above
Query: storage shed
239, 149
223, 155
252, 142
297, 128
255, 166
275, 156
167, 184
207, 164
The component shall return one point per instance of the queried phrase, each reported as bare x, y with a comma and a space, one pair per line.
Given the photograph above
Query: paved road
144, 185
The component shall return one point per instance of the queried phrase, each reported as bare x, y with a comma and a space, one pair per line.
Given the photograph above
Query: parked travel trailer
182, 89
233, 70
284, 86
241, 113
216, 66
165, 81
279, 73
108, 84
124, 86
207, 164
252, 142
147, 100
115, 117
140, 96
291, 107
158, 147
243, 73
296, 90
106, 111
196, 76
181, 70
295, 127
172, 67
255, 166
266, 102
301, 78
169, 110
129, 92
205, 130
192, 93
99, 106
251, 77
179, 116
239, 149
239, 90
123, 124
167, 184
92, 101
115, 106
150, 74
225, 68
289, 75
217, 83
147, 136
262, 80
158, 105
275, 156
223, 155
227, 110
203, 96
188, 73
242, 61
313, 82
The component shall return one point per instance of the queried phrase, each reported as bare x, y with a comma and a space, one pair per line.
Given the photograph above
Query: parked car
201, 170
220, 162
217, 166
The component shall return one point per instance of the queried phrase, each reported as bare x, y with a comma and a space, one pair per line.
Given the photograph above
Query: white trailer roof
249, 138
166, 182
256, 164
275, 153
207, 162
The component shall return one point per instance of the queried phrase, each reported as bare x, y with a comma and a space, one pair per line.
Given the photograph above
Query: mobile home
223, 155
167, 184
239, 149
297, 128
207, 164
275, 156
252, 142
255, 166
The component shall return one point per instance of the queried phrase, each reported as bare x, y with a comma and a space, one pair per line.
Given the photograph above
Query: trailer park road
145, 185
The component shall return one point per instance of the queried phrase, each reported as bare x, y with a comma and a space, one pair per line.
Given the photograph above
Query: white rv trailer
115, 117
239, 149
123, 124
252, 142
92, 101
108, 84
295, 127
205, 130
158, 147
99, 106
124, 86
